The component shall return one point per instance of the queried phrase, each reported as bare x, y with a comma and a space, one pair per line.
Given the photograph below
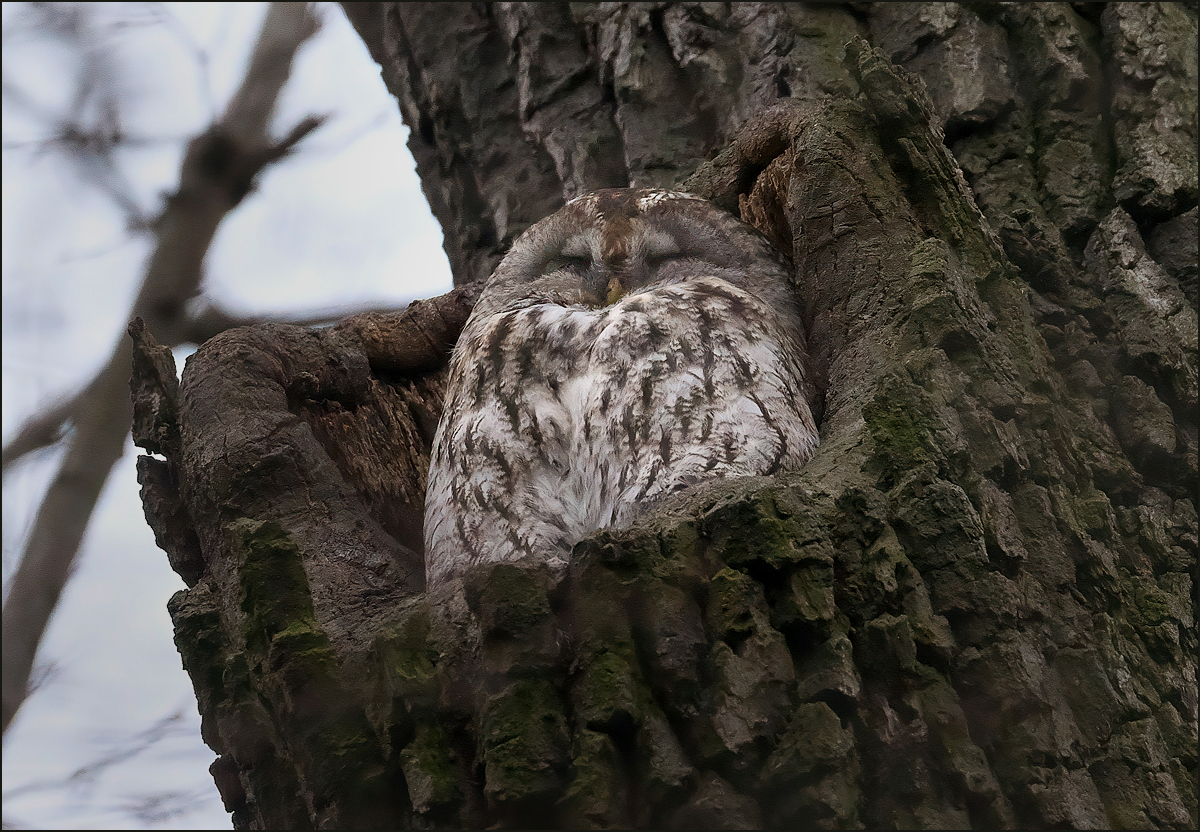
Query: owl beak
616, 291
605, 288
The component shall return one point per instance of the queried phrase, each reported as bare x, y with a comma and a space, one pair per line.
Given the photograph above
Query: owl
630, 345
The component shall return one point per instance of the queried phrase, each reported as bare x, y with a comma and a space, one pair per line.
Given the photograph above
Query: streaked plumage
631, 344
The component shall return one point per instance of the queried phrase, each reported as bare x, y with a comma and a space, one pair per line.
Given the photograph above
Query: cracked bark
974, 606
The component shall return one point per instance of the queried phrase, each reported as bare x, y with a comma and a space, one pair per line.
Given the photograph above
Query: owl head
603, 246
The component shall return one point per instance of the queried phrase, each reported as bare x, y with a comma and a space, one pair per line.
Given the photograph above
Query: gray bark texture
973, 608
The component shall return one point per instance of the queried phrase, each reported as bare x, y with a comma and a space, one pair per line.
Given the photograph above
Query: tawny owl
632, 344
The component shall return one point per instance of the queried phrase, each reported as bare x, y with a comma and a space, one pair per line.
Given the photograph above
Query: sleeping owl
632, 344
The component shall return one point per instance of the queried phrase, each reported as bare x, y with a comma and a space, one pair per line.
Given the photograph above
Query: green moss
751, 530
731, 601
429, 768
294, 670
301, 653
344, 755
1151, 605
202, 643
1151, 615
274, 588
523, 738
899, 421
200, 639
236, 678
1093, 513
407, 659
605, 693
280, 629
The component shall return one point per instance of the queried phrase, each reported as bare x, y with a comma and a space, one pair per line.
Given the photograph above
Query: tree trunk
972, 608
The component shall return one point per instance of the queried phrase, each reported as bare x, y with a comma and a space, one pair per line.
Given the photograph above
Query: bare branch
286, 26
302, 129
93, 448
42, 430
218, 169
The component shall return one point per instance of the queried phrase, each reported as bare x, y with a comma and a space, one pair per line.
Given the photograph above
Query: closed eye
656, 260
568, 263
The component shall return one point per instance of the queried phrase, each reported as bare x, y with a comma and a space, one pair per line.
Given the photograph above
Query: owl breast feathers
632, 344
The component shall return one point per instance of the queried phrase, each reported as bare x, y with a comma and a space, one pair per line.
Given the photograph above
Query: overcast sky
342, 223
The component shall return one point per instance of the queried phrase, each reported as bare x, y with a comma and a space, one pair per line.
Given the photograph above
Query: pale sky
342, 223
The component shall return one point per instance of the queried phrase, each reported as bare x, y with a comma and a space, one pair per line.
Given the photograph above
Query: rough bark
973, 607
